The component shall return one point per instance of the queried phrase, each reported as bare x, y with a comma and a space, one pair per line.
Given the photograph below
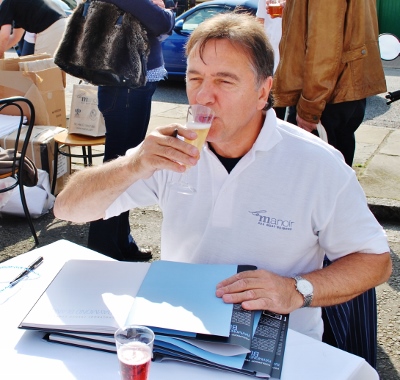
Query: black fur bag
104, 46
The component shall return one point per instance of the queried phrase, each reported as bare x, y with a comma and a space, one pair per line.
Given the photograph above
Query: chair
352, 325
17, 169
72, 140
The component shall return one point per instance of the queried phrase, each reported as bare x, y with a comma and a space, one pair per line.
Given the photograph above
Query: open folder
88, 300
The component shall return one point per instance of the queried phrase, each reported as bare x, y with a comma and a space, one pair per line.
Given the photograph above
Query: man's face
225, 81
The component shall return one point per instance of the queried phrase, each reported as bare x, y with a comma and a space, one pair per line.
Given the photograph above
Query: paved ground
377, 164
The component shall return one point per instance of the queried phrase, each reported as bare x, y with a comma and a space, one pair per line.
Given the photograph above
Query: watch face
305, 287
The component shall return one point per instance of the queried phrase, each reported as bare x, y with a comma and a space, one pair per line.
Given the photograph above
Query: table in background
25, 355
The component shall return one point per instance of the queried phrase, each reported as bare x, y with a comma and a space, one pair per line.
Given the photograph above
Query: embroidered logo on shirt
269, 221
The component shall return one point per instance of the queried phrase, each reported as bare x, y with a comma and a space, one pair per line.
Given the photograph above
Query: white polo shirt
287, 202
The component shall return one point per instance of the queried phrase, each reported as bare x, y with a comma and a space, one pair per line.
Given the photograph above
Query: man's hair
244, 32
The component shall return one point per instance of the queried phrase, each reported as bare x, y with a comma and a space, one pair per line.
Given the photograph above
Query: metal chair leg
27, 213
55, 169
84, 156
90, 155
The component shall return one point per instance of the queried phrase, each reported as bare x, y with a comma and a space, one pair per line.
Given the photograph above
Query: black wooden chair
18, 156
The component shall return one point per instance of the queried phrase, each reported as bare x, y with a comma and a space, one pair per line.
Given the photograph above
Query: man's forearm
5, 32
348, 277
91, 191
341, 281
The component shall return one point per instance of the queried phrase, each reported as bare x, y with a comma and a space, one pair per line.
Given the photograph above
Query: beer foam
197, 125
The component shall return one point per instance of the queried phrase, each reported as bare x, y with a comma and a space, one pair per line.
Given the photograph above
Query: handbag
322, 132
104, 46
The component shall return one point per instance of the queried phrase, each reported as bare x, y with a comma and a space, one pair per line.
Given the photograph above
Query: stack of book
89, 300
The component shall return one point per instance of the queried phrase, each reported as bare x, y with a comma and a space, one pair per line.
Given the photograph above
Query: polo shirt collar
269, 135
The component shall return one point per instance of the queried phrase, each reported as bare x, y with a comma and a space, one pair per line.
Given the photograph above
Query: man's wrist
305, 289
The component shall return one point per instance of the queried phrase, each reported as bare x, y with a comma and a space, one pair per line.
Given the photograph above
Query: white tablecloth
24, 355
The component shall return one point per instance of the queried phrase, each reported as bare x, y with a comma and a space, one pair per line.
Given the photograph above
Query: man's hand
306, 125
161, 150
160, 3
261, 290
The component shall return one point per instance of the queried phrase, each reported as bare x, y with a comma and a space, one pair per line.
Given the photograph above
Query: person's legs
280, 112
291, 117
27, 48
127, 115
340, 121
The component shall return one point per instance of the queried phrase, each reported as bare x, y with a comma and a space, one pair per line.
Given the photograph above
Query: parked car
64, 6
173, 46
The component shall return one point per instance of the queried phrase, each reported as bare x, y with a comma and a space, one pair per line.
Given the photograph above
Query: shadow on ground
16, 235
385, 367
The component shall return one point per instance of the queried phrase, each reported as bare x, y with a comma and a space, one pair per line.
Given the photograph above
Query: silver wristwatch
305, 288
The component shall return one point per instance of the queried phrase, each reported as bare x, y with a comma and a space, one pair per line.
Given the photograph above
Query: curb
384, 209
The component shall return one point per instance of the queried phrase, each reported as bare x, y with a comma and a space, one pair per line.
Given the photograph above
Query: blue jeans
27, 48
126, 113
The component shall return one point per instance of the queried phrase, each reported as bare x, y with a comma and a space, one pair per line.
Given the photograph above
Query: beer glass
275, 8
134, 349
199, 119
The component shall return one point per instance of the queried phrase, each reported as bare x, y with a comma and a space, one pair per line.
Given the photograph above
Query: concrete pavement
377, 156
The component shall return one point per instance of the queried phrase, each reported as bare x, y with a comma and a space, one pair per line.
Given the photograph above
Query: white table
24, 355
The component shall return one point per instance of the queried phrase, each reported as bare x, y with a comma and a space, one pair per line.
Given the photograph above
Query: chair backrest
18, 155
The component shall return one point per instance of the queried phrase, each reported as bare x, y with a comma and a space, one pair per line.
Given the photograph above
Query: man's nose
206, 94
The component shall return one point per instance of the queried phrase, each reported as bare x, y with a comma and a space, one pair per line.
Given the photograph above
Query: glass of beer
134, 349
199, 119
275, 8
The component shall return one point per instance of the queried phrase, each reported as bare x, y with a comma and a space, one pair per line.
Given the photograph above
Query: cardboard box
44, 88
41, 152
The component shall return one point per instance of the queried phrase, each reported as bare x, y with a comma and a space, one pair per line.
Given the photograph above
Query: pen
25, 272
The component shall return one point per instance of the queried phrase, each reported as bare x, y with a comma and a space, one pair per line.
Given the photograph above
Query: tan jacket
329, 54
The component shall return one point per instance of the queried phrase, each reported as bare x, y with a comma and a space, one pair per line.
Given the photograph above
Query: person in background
41, 17
291, 209
273, 30
29, 44
171, 5
272, 27
330, 64
126, 113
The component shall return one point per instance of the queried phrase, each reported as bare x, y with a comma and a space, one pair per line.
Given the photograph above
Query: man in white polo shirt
268, 194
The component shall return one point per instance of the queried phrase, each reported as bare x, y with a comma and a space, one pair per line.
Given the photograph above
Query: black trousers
340, 121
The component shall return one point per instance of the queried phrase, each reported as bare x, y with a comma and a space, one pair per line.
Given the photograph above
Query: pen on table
25, 272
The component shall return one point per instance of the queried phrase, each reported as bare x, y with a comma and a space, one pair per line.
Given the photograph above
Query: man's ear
263, 92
